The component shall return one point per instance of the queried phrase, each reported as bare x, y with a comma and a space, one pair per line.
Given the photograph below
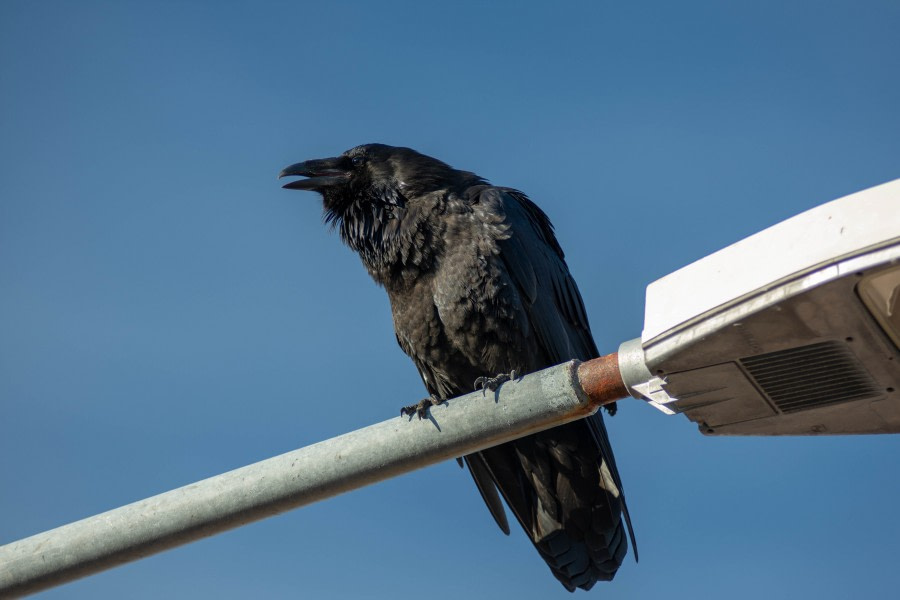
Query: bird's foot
420, 408
492, 383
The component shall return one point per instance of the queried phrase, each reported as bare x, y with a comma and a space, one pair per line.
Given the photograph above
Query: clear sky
168, 312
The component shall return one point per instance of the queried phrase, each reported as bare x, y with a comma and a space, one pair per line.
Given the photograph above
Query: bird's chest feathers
464, 304
416, 321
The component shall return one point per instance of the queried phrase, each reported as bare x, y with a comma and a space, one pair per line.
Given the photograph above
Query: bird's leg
420, 408
492, 383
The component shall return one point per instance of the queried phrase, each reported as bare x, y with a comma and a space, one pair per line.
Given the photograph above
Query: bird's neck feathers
395, 238
395, 224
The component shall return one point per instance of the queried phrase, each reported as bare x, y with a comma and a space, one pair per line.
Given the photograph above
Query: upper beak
322, 173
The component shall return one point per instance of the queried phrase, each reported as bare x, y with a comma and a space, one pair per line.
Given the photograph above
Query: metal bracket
641, 383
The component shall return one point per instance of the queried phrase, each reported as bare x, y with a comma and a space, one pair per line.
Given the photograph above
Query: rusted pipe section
601, 381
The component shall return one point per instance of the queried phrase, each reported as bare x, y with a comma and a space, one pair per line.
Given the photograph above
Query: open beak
321, 173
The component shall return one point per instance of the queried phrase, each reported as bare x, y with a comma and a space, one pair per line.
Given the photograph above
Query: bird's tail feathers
488, 489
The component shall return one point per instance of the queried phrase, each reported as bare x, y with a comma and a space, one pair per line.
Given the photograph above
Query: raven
479, 287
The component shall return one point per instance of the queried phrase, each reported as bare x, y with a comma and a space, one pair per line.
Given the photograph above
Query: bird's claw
421, 408
492, 383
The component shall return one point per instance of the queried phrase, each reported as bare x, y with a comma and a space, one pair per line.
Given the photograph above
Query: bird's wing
536, 264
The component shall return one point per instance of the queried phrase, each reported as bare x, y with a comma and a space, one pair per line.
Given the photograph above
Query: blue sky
167, 312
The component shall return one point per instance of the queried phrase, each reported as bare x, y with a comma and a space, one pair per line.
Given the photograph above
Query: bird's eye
357, 160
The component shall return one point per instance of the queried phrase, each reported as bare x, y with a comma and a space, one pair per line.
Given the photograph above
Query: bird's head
370, 177
380, 197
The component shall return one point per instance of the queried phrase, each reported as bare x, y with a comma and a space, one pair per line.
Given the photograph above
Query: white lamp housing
794, 330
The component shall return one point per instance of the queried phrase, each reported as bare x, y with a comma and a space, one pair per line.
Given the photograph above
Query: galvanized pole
458, 427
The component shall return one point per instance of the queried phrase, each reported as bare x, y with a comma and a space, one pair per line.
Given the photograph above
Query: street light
794, 330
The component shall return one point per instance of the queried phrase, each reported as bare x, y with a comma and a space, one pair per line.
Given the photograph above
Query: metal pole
458, 427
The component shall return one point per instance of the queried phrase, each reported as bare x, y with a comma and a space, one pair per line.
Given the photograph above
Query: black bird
478, 287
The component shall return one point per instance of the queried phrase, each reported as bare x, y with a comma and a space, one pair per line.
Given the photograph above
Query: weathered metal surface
601, 381
457, 427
